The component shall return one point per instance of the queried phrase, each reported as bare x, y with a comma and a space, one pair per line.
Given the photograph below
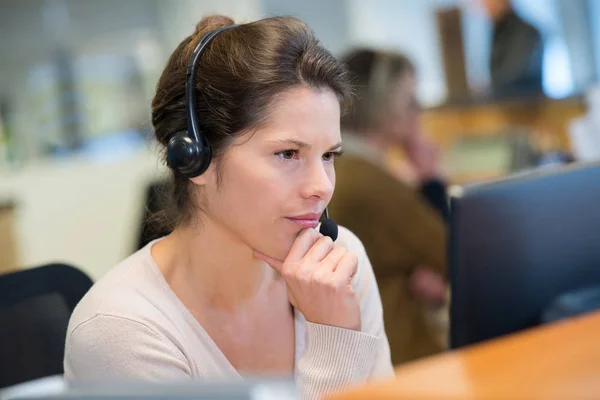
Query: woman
379, 201
244, 284
387, 116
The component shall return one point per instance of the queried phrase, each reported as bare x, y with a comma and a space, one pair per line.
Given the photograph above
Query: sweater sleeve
336, 359
111, 348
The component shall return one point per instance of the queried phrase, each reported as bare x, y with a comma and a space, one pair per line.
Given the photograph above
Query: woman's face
279, 179
402, 120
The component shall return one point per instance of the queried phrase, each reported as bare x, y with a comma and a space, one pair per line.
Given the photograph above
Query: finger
312, 260
333, 258
302, 244
320, 276
320, 249
346, 268
275, 264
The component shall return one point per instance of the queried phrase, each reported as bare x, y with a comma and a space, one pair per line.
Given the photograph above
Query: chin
279, 247
283, 248
277, 241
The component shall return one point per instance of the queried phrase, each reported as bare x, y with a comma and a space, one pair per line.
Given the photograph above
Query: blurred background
494, 87
77, 78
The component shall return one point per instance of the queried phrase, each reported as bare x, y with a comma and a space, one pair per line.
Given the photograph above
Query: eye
288, 155
332, 155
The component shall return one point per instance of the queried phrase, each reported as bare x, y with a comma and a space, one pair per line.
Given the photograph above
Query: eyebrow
303, 145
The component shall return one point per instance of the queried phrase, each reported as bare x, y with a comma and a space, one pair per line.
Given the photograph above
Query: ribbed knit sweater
132, 326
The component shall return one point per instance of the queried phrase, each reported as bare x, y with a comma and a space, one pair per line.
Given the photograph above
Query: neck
211, 266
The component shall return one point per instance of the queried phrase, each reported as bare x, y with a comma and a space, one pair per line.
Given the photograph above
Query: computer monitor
56, 388
517, 244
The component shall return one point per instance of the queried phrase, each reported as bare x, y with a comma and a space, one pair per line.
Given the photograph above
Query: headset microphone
329, 227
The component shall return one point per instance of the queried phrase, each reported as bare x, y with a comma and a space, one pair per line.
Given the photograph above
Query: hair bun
212, 22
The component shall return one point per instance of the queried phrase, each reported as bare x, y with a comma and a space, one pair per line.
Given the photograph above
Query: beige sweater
132, 326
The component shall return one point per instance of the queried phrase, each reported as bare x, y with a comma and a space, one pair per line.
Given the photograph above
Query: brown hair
239, 75
374, 73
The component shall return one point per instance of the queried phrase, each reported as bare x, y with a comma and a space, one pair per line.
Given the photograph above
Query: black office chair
35, 307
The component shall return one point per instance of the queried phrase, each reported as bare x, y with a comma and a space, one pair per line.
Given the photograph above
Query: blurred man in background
517, 52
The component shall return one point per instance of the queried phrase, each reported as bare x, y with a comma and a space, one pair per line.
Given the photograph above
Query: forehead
304, 114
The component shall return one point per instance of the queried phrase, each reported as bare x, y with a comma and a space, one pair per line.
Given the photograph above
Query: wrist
349, 325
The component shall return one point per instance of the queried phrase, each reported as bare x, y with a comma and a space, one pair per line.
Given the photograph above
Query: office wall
86, 212
407, 26
33, 30
477, 30
328, 19
577, 33
594, 15
178, 19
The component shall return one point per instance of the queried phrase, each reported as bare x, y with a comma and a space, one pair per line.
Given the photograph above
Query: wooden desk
546, 122
559, 361
447, 123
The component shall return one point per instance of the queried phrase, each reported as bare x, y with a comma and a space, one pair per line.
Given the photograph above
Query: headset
188, 151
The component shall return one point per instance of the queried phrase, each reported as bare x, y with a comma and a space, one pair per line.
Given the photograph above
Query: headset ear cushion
186, 156
205, 154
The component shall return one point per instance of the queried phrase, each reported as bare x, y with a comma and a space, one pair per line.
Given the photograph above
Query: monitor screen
517, 244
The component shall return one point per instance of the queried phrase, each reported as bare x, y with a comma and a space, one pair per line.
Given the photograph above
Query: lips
310, 220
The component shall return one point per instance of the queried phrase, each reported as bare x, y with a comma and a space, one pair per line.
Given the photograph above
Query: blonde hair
374, 75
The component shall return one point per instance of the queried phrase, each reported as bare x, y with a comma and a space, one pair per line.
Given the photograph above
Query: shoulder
359, 167
129, 292
525, 28
110, 347
121, 324
360, 182
350, 241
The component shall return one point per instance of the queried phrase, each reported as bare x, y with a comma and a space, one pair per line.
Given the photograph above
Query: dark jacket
516, 58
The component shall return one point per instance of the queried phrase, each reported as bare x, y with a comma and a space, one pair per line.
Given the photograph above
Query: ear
209, 176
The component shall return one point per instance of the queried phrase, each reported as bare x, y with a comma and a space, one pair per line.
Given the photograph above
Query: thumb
275, 264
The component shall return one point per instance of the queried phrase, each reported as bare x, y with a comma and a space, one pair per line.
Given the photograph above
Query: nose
319, 181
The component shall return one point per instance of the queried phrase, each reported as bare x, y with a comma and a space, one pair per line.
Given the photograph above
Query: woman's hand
428, 286
424, 156
318, 275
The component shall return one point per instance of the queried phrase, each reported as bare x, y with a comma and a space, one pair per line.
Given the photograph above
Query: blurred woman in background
387, 116
396, 205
